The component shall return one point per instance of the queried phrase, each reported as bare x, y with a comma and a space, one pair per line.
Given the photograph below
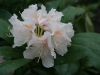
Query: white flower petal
33, 7
41, 15
60, 44
31, 52
48, 37
54, 15
48, 61
14, 21
29, 14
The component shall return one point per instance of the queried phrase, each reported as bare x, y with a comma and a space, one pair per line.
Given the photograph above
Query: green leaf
93, 6
80, 26
70, 12
92, 42
10, 52
9, 66
67, 69
5, 15
88, 24
4, 27
52, 4
62, 4
83, 73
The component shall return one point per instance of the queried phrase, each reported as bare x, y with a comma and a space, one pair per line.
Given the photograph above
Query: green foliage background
83, 57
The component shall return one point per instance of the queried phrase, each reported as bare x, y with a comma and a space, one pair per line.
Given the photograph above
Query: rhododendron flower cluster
43, 32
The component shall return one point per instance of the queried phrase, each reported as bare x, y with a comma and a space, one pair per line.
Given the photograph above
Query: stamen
19, 12
38, 30
69, 45
39, 58
41, 31
9, 28
9, 34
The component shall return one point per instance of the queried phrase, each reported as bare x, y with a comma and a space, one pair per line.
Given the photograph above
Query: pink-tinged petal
60, 44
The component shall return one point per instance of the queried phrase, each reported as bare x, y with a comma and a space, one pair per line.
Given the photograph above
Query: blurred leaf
4, 27
62, 4
93, 6
70, 12
52, 4
10, 52
91, 14
80, 26
67, 69
40, 72
83, 73
88, 24
4, 14
31, 74
9, 66
3, 43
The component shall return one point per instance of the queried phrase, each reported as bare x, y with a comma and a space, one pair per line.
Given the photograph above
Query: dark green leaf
88, 24
4, 27
92, 42
70, 12
10, 52
67, 69
52, 4
5, 15
9, 66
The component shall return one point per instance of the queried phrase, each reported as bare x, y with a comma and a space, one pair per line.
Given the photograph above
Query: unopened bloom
43, 32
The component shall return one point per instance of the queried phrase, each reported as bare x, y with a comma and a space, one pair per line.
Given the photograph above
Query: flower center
39, 31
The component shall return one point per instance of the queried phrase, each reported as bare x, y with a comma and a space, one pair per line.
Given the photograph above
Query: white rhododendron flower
43, 32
